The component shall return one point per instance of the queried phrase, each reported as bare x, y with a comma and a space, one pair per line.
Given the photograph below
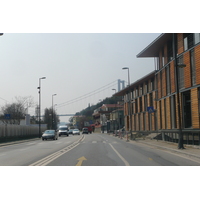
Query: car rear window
49, 131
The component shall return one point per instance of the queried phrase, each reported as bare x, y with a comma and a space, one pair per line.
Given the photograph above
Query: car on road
63, 130
85, 130
50, 134
76, 132
70, 131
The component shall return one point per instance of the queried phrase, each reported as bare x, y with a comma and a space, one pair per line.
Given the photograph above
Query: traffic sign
150, 109
7, 116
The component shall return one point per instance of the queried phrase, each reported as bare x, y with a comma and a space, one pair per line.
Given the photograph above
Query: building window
168, 80
132, 107
139, 121
136, 92
181, 73
193, 68
136, 105
157, 63
146, 87
163, 57
152, 84
133, 95
196, 38
151, 99
161, 90
199, 99
160, 110
188, 40
141, 90
187, 110
173, 111
140, 99
165, 113
144, 121
145, 102
169, 51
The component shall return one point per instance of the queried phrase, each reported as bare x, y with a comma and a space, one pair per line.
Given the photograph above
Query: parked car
50, 134
76, 132
85, 130
63, 130
70, 131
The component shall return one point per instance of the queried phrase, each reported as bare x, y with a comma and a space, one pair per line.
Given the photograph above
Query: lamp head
181, 65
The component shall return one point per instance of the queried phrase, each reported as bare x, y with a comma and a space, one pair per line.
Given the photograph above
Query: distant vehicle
70, 131
76, 132
63, 130
89, 128
85, 130
50, 134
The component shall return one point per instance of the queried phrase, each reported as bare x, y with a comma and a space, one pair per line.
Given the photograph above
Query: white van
63, 130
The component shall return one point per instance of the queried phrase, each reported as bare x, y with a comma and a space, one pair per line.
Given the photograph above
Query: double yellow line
50, 158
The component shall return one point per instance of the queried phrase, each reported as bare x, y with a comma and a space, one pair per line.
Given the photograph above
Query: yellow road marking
150, 159
80, 161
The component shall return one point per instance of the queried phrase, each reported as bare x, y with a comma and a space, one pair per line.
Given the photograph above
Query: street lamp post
129, 102
52, 109
113, 113
39, 91
128, 75
177, 66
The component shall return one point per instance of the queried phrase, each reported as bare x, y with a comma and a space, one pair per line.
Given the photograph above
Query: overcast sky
74, 65
79, 46
78, 64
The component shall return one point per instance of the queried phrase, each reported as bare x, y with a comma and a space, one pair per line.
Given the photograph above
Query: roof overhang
152, 50
136, 83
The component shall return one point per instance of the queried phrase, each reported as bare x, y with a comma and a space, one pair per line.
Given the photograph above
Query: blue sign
7, 116
150, 109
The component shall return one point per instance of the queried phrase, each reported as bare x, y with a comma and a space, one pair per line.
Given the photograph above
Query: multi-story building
176, 96
138, 97
102, 115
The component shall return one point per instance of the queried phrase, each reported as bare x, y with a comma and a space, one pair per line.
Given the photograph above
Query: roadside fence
18, 131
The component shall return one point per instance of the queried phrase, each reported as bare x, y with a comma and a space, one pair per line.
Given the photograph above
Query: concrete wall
19, 131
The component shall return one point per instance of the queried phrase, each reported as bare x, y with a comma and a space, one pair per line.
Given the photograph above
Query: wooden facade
158, 89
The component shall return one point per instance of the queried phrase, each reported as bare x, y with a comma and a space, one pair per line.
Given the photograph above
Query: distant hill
90, 109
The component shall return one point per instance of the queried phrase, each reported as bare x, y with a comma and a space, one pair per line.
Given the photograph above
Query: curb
17, 142
172, 149
163, 147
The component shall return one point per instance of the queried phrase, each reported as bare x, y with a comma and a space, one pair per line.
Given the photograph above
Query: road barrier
10, 132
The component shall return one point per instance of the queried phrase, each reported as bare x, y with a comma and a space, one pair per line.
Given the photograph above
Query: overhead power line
88, 94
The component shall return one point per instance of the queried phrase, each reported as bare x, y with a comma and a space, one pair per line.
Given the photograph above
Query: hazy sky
74, 65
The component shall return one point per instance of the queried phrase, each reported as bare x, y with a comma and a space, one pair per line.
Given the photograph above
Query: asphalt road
89, 150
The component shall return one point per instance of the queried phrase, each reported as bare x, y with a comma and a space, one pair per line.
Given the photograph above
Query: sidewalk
190, 150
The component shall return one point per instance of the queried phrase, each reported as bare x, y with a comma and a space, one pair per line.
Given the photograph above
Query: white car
76, 132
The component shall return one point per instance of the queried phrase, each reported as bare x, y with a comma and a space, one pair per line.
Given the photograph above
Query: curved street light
52, 109
128, 75
129, 104
39, 91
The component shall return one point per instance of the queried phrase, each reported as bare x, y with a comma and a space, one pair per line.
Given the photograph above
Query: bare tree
17, 110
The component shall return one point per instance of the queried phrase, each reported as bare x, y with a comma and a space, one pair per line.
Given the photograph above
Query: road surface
89, 150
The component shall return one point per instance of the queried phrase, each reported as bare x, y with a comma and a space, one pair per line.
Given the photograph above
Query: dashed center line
23, 149
30, 143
